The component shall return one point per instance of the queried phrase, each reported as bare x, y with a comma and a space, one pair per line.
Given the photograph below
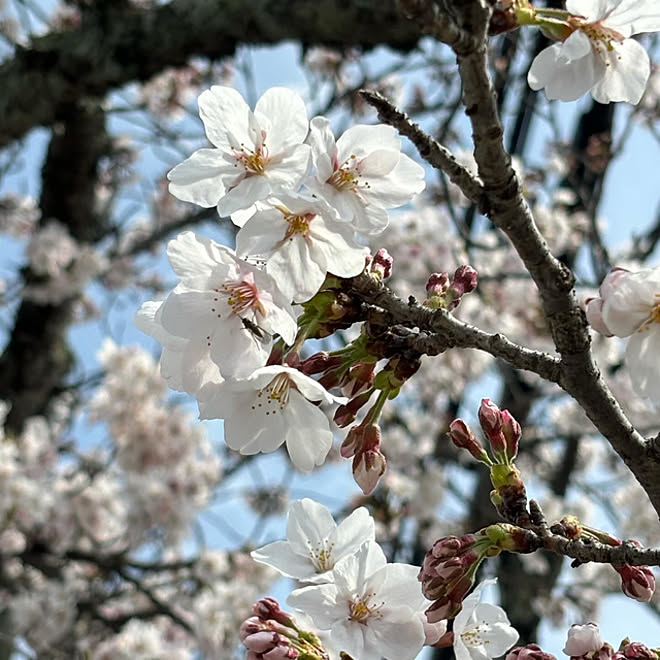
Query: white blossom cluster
299, 197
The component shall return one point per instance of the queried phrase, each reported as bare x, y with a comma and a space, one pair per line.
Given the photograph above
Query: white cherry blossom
599, 54
182, 365
273, 406
255, 154
629, 306
482, 631
315, 543
363, 173
371, 607
223, 306
301, 241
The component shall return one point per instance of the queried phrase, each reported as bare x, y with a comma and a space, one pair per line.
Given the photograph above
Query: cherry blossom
301, 242
273, 406
255, 154
315, 543
629, 306
583, 639
224, 307
370, 608
363, 173
598, 55
481, 630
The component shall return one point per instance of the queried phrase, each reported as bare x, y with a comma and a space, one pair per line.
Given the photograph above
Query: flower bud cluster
584, 642
529, 652
441, 293
272, 634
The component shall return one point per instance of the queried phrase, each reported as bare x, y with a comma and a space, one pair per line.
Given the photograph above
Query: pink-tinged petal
353, 532
279, 555
324, 149
308, 524
643, 362
630, 302
192, 256
362, 140
225, 117
626, 76
308, 438
594, 312
250, 190
312, 390
199, 179
563, 79
288, 118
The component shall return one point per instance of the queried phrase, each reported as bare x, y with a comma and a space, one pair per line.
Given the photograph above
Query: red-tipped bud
465, 280
262, 641
319, 362
269, 609
637, 582
512, 433
491, 423
381, 264
346, 413
461, 435
636, 650
360, 378
251, 626
529, 652
442, 609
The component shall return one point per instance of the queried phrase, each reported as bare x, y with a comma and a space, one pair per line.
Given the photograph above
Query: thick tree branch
508, 210
118, 43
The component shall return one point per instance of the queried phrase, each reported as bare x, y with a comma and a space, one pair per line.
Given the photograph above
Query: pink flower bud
594, 312
269, 608
442, 609
638, 650
491, 423
261, 641
583, 639
368, 467
462, 436
529, 652
250, 627
512, 433
281, 653
319, 362
465, 280
381, 264
437, 284
346, 413
637, 582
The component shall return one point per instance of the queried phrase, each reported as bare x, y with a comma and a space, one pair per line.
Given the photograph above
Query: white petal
635, 16
401, 639
563, 80
199, 179
361, 140
236, 350
626, 76
400, 186
225, 116
643, 362
309, 523
324, 149
250, 190
353, 532
189, 313
192, 256
576, 46
288, 117
309, 438
342, 255
320, 603
592, 10
291, 168
280, 556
